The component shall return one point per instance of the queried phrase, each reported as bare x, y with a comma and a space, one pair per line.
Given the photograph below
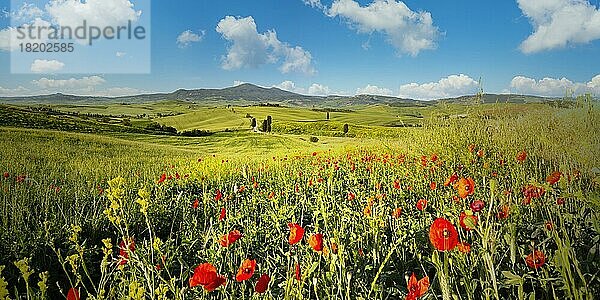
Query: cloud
558, 23
373, 90
314, 89
84, 83
8, 92
407, 31
46, 66
314, 3
120, 54
26, 13
252, 49
238, 82
100, 13
553, 87
448, 87
188, 37
9, 40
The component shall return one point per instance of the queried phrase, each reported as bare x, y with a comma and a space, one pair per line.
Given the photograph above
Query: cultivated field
451, 201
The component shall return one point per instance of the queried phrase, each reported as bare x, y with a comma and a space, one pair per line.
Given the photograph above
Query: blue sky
348, 47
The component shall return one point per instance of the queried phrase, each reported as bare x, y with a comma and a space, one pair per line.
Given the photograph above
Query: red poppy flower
553, 178
549, 225
536, 259
334, 248
521, 156
271, 195
468, 221
451, 180
434, 157
477, 205
195, 204
73, 294
432, 185
206, 276
443, 235
560, 201
123, 251
471, 148
296, 233
351, 196
465, 187
397, 184
297, 272
316, 242
262, 284
230, 238
246, 270
503, 212
219, 195
416, 288
480, 153
6, 175
422, 204
397, 213
533, 192
223, 214
162, 178
464, 247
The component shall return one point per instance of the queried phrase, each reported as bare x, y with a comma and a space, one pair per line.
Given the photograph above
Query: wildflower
416, 288
536, 259
480, 153
560, 201
549, 225
206, 276
246, 270
443, 235
21, 178
467, 220
6, 175
477, 205
521, 156
230, 238
351, 196
124, 250
397, 212
73, 294
503, 212
298, 276
296, 233
162, 178
334, 248
219, 195
451, 180
471, 148
533, 192
195, 204
316, 242
464, 247
367, 210
465, 187
397, 184
262, 284
422, 204
432, 185
553, 178
434, 157
223, 214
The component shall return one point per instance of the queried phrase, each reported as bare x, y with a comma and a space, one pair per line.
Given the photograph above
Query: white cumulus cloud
374, 90
314, 89
250, 48
553, 87
448, 87
188, 37
559, 23
87, 83
407, 31
46, 66
100, 13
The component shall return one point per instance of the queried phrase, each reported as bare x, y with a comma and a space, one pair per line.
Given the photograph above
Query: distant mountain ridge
248, 94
